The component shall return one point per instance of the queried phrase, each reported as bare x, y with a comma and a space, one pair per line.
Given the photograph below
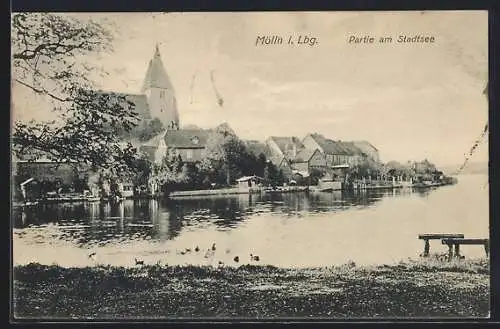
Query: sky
412, 101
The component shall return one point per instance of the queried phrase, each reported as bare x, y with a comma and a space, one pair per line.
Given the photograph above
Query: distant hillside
472, 168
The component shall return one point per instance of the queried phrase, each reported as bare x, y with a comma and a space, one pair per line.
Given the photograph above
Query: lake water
288, 230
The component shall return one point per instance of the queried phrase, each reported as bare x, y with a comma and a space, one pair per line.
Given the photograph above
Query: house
47, 170
341, 152
335, 153
294, 157
193, 145
368, 149
249, 183
355, 154
282, 150
190, 144
286, 147
308, 159
36, 177
282, 164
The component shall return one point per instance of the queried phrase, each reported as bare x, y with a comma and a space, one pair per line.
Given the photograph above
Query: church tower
160, 93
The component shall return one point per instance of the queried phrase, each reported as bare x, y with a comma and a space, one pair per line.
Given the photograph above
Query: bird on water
213, 247
209, 253
139, 262
254, 257
197, 249
236, 259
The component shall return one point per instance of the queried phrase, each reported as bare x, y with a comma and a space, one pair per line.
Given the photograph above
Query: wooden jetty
222, 191
436, 236
454, 245
453, 241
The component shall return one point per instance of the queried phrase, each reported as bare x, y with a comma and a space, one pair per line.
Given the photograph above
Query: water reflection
164, 220
280, 224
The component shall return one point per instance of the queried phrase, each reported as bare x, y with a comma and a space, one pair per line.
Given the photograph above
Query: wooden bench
456, 242
436, 236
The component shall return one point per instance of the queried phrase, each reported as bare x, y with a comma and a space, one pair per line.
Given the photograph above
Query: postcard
250, 165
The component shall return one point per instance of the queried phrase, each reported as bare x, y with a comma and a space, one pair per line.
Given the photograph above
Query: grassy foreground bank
409, 289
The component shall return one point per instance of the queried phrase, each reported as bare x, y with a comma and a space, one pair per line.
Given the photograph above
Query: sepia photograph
249, 165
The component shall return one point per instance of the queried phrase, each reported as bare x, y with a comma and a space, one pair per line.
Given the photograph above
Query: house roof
187, 138
155, 141
286, 145
156, 75
276, 159
247, 178
304, 155
351, 146
365, 146
330, 146
343, 147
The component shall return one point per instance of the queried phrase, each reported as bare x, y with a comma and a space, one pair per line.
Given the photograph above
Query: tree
153, 128
394, 169
170, 168
365, 168
143, 131
49, 53
261, 165
273, 175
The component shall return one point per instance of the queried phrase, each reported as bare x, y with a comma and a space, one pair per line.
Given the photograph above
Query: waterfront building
307, 160
341, 152
287, 147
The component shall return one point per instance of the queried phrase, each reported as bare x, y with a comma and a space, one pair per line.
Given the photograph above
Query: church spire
156, 75
157, 51
160, 92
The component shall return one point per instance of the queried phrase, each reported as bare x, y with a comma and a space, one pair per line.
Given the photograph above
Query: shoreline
417, 288
224, 192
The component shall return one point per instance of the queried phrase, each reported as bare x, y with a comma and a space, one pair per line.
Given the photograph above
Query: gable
304, 155
287, 146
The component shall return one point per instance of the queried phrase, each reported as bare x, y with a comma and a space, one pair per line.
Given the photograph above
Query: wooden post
487, 247
450, 252
457, 250
427, 248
